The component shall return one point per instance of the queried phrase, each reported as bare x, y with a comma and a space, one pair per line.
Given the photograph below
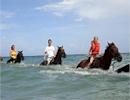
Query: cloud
88, 9
6, 14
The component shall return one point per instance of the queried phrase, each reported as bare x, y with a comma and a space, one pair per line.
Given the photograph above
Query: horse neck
18, 57
58, 56
107, 59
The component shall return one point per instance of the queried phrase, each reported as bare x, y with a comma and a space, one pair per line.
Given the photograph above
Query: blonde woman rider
13, 53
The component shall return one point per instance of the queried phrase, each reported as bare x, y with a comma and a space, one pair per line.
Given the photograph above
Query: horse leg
16, 61
60, 61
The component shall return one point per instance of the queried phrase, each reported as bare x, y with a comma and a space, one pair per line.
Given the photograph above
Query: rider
13, 53
94, 50
49, 52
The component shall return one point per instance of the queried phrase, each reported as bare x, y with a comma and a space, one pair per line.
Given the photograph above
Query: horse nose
64, 55
119, 58
22, 58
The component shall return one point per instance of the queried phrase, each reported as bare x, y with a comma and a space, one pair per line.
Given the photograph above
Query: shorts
49, 59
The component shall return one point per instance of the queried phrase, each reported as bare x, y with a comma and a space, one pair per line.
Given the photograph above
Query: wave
70, 69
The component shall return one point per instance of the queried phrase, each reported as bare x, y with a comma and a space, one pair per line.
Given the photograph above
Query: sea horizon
67, 54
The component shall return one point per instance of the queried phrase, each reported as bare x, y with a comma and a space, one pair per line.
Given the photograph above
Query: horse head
61, 51
20, 55
114, 52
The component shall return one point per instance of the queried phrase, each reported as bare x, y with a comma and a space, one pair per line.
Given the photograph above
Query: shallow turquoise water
29, 81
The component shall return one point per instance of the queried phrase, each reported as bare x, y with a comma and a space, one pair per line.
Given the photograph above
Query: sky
72, 23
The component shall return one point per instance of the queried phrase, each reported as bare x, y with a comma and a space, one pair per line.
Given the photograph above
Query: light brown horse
104, 61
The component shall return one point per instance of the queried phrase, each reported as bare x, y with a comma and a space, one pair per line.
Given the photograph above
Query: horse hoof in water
126, 68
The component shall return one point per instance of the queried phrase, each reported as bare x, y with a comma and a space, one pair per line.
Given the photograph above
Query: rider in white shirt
49, 52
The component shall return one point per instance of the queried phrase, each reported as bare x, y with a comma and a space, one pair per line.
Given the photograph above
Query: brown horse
104, 61
58, 58
125, 68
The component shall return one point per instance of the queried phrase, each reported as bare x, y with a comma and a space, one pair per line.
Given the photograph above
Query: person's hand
45, 52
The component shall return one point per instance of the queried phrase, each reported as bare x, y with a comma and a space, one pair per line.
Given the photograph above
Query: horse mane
57, 54
58, 51
19, 56
108, 47
107, 58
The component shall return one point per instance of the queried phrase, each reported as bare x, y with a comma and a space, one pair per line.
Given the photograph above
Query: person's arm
99, 48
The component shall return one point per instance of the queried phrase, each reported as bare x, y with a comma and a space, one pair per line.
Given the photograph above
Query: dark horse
18, 58
104, 61
58, 58
125, 68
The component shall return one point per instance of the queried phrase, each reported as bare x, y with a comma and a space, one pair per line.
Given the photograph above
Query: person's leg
45, 57
91, 61
49, 60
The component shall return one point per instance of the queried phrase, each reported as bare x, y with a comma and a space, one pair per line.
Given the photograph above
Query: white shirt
50, 51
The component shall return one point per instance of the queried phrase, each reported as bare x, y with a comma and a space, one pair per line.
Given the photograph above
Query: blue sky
29, 23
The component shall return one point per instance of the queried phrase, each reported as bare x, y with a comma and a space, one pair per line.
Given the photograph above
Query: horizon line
68, 54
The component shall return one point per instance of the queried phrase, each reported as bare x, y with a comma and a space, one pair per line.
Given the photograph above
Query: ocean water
29, 81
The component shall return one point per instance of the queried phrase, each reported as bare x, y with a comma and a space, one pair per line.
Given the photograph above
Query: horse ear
108, 43
112, 43
57, 46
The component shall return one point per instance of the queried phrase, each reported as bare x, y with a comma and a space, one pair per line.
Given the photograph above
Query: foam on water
71, 69
67, 69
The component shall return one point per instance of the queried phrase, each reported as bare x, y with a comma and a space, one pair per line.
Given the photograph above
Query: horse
125, 68
103, 62
58, 58
18, 59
